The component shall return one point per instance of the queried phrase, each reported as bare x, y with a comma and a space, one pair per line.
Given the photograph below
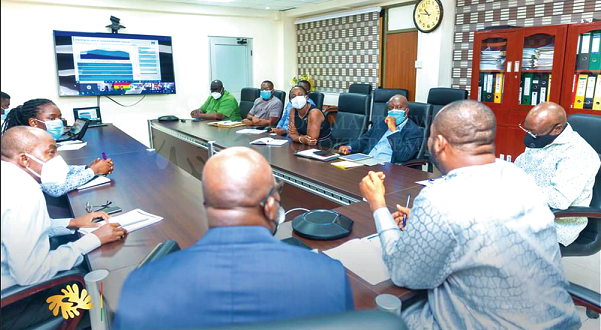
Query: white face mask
54, 171
299, 102
216, 95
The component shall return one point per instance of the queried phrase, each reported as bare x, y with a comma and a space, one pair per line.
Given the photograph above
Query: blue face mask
399, 115
265, 95
54, 127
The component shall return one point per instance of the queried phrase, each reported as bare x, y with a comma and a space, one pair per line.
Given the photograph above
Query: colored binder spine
498, 87
580, 91
590, 92
583, 55
527, 84
544, 81
549, 88
489, 87
535, 89
595, 59
480, 82
597, 97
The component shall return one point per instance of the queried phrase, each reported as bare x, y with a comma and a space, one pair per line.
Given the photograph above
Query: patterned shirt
285, 120
77, 176
482, 242
566, 170
382, 151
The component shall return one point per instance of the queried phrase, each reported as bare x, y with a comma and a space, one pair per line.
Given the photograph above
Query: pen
407, 206
103, 156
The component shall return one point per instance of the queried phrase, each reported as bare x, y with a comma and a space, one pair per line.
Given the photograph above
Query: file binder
597, 97
489, 88
498, 88
549, 88
584, 52
580, 91
595, 59
590, 92
535, 89
544, 87
527, 84
480, 82
521, 90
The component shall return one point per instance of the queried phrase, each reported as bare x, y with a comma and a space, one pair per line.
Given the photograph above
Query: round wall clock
427, 15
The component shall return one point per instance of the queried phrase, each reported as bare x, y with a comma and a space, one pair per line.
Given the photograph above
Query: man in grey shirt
481, 240
266, 110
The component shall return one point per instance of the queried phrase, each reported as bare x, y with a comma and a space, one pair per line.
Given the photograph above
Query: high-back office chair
360, 89
420, 114
589, 241
379, 100
317, 98
280, 95
357, 320
351, 117
441, 96
248, 95
16, 293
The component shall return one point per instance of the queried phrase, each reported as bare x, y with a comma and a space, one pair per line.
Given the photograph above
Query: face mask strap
37, 161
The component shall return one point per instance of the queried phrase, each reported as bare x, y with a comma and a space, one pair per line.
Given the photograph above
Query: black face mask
541, 141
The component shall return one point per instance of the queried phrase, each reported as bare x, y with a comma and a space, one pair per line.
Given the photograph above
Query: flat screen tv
95, 64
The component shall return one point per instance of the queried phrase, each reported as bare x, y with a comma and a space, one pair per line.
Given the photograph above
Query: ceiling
254, 4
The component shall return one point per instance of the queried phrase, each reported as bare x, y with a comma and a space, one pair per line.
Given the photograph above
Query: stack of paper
540, 58
362, 257
97, 181
346, 164
72, 146
270, 141
251, 131
130, 221
492, 59
226, 123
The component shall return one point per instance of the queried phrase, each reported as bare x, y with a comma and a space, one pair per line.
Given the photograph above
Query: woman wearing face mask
308, 125
44, 114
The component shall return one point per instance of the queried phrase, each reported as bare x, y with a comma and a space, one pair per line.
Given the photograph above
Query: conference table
165, 180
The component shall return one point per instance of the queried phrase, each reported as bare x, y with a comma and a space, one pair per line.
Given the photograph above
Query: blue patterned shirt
77, 176
482, 242
285, 120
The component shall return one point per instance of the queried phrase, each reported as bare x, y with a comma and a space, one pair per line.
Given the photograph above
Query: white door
231, 62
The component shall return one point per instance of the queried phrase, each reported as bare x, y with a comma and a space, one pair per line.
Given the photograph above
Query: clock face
427, 15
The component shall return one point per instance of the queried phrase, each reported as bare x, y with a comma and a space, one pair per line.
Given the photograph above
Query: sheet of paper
251, 131
99, 180
270, 141
369, 162
346, 164
428, 182
69, 142
72, 146
131, 221
362, 258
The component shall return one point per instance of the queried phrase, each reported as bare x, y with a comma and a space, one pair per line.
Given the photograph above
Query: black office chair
351, 117
280, 95
16, 293
360, 89
248, 96
379, 100
358, 320
589, 241
317, 98
441, 96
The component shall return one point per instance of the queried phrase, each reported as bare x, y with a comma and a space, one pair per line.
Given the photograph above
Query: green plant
306, 77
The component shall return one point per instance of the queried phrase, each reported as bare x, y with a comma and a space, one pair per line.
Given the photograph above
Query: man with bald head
395, 139
30, 156
220, 105
481, 240
238, 272
561, 162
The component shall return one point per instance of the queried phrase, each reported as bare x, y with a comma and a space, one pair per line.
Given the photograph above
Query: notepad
346, 164
130, 221
251, 131
270, 141
355, 157
97, 181
362, 257
72, 146
226, 123
310, 153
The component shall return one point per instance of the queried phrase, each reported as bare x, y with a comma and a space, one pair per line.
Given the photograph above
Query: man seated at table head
44, 114
220, 105
561, 162
481, 240
237, 272
394, 139
29, 157
267, 108
282, 126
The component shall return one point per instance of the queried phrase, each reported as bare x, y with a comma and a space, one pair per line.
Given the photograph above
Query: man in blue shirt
238, 272
282, 126
395, 139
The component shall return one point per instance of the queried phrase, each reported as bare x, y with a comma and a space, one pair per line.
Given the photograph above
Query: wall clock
427, 15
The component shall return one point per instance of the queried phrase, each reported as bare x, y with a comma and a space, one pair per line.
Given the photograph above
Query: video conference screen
94, 64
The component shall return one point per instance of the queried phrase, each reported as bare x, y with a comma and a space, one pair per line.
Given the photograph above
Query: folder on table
535, 87
580, 91
498, 88
527, 88
597, 97
594, 62
584, 52
590, 92
544, 87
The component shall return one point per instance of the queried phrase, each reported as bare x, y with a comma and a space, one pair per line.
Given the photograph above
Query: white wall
28, 66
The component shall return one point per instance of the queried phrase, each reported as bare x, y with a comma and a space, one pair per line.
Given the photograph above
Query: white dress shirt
26, 230
566, 170
481, 240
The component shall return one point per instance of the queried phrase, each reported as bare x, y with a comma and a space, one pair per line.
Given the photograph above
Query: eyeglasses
278, 186
89, 207
520, 125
